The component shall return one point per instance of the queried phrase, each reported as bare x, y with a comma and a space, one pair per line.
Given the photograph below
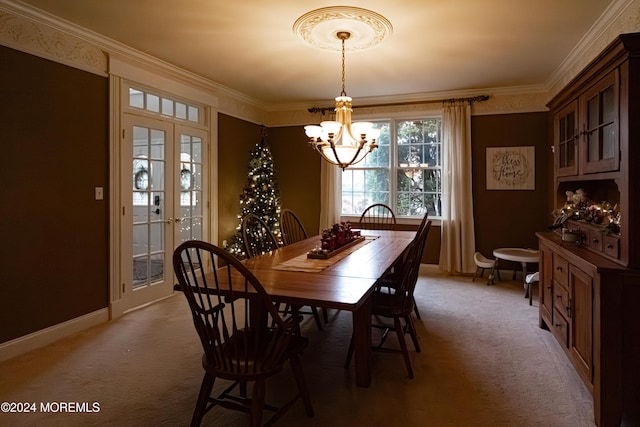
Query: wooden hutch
590, 291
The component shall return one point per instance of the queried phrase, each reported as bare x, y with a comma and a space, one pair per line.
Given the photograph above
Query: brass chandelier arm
479, 98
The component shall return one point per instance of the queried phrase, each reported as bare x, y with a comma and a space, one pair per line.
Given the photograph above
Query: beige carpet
484, 362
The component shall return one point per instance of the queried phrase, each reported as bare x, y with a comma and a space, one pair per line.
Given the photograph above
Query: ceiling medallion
320, 27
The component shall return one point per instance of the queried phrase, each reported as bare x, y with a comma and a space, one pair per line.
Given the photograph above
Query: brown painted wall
54, 234
510, 218
236, 139
298, 173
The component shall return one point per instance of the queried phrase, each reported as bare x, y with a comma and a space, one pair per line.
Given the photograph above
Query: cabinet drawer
611, 245
561, 301
560, 328
560, 270
593, 239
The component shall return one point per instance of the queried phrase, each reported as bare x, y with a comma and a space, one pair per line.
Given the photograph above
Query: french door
163, 203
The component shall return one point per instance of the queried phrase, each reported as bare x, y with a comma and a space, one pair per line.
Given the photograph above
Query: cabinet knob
559, 268
596, 241
609, 246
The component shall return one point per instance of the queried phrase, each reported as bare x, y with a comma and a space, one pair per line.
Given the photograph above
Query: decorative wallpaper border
22, 34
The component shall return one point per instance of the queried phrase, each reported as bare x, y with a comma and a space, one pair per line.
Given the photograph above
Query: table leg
491, 278
362, 343
524, 279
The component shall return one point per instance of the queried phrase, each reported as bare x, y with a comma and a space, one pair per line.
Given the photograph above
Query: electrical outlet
99, 193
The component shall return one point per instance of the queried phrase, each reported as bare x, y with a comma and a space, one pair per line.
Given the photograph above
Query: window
144, 100
404, 172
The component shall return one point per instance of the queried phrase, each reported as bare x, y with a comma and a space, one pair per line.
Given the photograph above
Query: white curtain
330, 195
457, 233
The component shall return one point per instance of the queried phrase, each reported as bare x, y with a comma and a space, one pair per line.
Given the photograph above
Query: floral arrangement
579, 207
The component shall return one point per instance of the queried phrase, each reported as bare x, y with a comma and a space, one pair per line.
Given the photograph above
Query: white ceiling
436, 45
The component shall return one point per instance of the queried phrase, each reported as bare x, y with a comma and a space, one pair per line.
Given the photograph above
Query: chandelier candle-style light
339, 141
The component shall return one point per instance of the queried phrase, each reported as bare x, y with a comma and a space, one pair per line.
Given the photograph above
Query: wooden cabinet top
625, 46
579, 255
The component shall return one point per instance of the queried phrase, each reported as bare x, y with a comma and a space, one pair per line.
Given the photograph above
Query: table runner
312, 265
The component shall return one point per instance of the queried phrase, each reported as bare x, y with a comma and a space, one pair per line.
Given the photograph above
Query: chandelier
339, 141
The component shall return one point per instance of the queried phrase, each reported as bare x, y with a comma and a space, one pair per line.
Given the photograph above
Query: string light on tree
260, 195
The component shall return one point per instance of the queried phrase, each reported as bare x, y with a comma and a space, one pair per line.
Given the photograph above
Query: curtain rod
479, 98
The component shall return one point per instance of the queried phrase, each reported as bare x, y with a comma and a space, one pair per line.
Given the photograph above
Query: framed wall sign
511, 168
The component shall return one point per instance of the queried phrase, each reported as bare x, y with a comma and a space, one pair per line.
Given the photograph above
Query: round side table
521, 255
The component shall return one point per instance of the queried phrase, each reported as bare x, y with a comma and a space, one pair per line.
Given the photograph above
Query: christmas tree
260, 195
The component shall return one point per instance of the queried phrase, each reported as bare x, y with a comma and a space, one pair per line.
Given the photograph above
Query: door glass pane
608, 105
571, 153
181, 110
157, 175
608, 141
136, 98
571, 142
167, 107
593, 146
156, 267
593, 113
153, 103
141, 239
193, 113
148, 206
562, 125
190, 184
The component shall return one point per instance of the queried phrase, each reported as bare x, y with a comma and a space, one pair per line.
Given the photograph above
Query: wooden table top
343, 285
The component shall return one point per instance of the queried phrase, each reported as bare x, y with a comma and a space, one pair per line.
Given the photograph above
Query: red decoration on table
338, 235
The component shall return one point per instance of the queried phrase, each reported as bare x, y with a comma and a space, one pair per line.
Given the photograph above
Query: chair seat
533, 277
245, 355
386, 303
482, 261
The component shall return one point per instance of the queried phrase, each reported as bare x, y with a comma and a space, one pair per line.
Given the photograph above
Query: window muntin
162, 105
405, 174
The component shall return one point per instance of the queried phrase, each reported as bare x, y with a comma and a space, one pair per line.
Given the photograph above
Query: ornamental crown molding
622, 16
32, 37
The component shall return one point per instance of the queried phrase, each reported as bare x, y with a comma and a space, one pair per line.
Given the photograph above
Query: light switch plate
99, 193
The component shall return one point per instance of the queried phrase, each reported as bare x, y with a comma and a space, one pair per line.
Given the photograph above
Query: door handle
170, 220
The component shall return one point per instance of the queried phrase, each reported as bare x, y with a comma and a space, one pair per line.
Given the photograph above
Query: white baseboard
53, 333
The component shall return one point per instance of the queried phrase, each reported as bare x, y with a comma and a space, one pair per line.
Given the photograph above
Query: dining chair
378, 216
258, 239
387, 277
393, 299
243, 336
256, 236
291, 227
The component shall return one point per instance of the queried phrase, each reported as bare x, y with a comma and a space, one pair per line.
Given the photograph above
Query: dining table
344, 281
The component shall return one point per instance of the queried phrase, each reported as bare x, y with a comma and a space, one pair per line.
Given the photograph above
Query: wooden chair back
235, 343
291, 227
406, 277
378, 216
256, 236
243, 336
